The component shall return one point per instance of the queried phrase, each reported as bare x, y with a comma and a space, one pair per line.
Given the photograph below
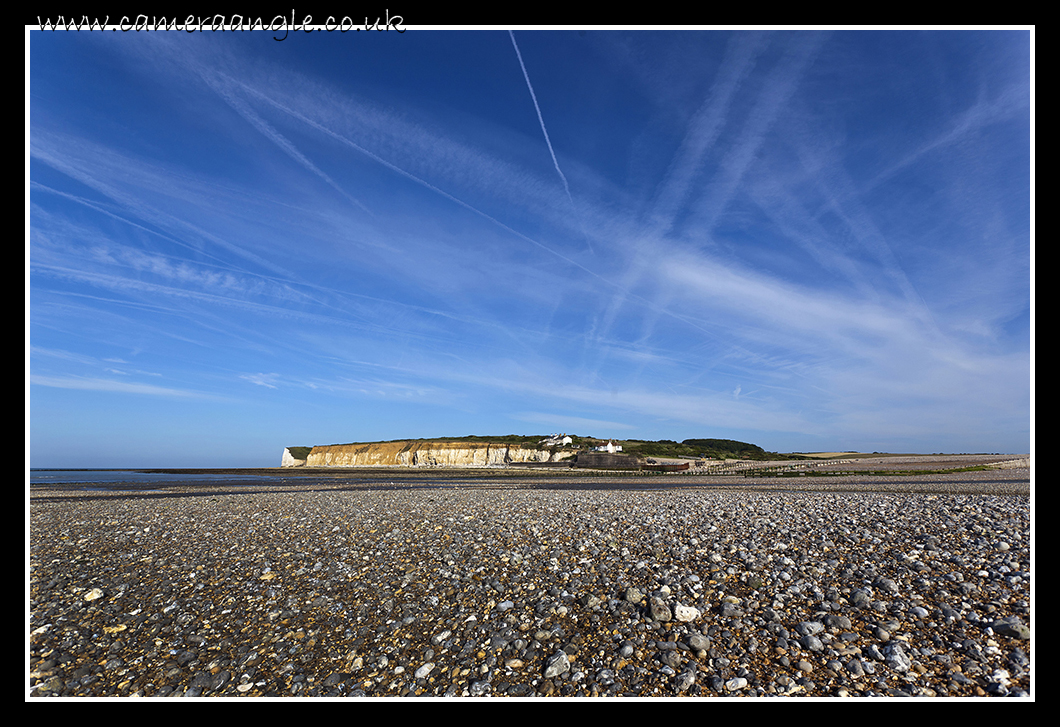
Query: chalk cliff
290, 460
422, 454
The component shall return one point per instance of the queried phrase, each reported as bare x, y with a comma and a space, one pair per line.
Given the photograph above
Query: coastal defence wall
422, 454
608, 461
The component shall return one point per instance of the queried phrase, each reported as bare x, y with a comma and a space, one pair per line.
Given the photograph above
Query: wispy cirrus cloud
118, 387
269, 381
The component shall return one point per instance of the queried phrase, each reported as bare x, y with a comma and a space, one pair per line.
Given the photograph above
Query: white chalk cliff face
289, 460
423, 454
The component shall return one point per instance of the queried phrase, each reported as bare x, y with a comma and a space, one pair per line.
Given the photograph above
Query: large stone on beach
686, 613
660, 611
811, 628
1012, 627
811, 642
730, 610
895, 657
699, 642
558, 663
860, 598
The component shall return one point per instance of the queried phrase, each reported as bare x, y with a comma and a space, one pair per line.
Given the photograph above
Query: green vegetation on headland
698, 448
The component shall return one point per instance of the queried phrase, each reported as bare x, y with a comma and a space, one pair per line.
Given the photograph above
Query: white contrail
706, 126
408, 175
540, 118
275, 136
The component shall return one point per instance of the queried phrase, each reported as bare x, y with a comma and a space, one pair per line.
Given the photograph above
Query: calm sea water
103, 477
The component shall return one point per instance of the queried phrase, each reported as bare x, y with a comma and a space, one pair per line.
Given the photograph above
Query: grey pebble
558, 663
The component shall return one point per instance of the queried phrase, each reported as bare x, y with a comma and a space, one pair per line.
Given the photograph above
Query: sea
104, 478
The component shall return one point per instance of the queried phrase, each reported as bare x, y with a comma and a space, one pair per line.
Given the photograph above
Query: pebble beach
538, 585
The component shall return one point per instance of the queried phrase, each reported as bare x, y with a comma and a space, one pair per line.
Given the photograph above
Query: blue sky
809, 240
